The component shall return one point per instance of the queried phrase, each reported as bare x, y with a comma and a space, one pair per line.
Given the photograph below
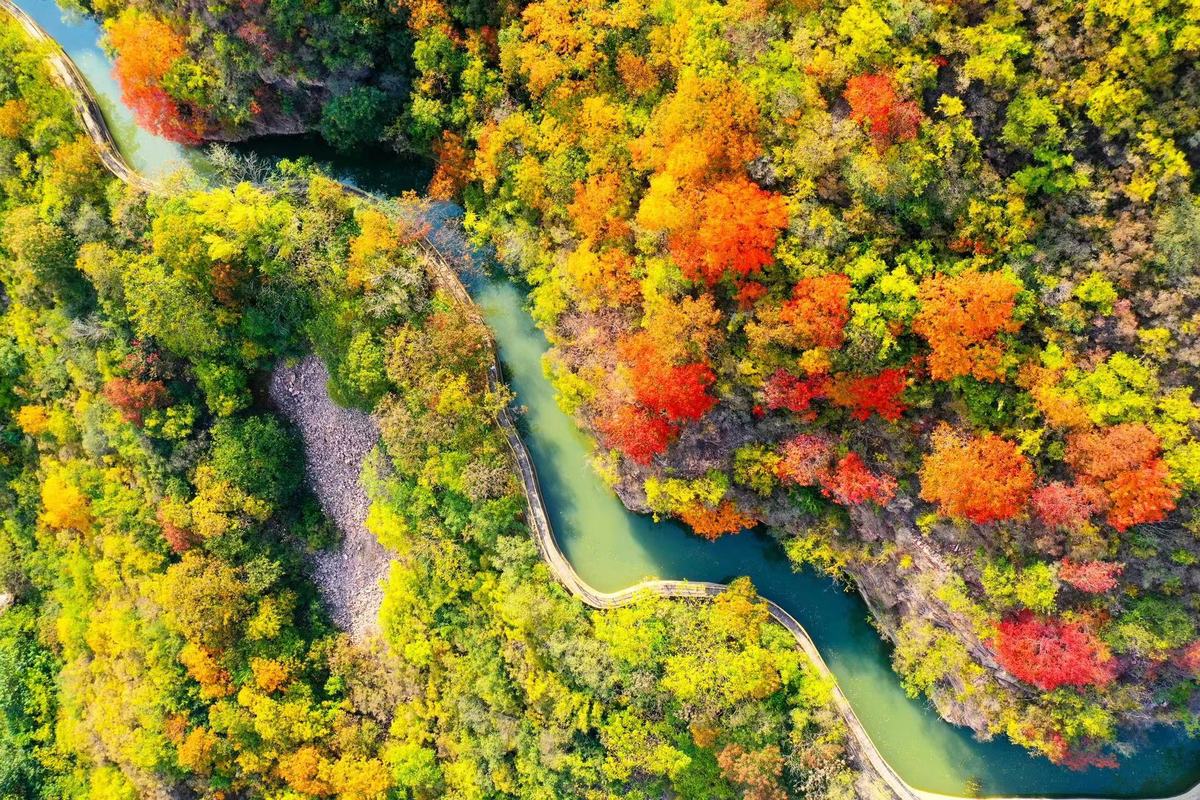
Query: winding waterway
611, 548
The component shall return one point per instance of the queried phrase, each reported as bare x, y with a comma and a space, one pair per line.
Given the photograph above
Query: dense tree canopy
946, 297
159, 634
911, 283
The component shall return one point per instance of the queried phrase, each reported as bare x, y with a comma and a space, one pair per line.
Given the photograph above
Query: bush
259, 456
355, 118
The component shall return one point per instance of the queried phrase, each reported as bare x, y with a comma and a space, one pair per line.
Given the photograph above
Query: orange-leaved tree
739, 224
147, 48
1123, 461
713, 522
453, 167
819, 310
961, 317
805, 459
981, 479
601, 208
707, 126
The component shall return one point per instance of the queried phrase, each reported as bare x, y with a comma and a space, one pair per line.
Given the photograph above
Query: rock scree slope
337, 441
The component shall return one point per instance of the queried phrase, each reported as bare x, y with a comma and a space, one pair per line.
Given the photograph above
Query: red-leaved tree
1188, 658
133, 398
851, 483
785, 390
1050, 653
1062, 505
865, 395
637, 433
873, 102
1093, 577
180, 539
678, 391
757, 773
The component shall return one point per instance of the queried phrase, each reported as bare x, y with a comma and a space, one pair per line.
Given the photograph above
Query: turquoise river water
612, 548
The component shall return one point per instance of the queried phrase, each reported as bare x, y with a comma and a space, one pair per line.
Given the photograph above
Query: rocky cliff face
298, 115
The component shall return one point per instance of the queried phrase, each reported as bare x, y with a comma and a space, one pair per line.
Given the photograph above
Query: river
612, 548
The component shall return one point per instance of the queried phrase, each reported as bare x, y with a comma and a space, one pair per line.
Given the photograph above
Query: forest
910, 285
159, 635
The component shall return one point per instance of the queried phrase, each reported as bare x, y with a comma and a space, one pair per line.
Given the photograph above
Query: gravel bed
336, 441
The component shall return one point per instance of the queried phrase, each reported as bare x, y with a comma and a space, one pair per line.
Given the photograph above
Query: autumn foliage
14, 116
1061, 505
637, 433
134, 398
865, 395
598, 211
1050, 653
961, 317
1122, 464
819, 310
33, 420
851, 483
180, 539
712, 523
1103, 454
453, 167
805, 459
680, 392
706, 126
981, 479
874, 103
1141, 495
785, 390
1093, 577
147, 49
756, 772
1189, 658
65, 506
739, 224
